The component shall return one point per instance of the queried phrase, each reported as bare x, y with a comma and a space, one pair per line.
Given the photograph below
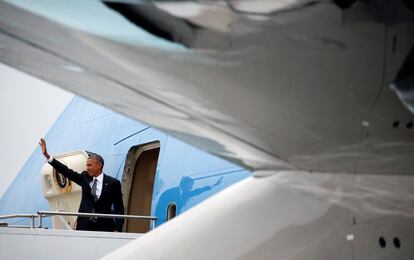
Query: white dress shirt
98, 184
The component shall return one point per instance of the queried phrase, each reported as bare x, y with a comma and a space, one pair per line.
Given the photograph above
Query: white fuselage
291, 215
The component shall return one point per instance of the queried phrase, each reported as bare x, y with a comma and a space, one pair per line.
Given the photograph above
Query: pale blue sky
92, 16
28, 108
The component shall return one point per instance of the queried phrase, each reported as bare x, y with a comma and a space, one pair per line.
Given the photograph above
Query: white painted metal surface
59, 244
290, 215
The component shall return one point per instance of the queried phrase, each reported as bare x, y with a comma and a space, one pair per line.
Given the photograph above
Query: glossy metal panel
290, 215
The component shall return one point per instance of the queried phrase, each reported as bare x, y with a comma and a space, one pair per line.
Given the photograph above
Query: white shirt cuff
50, 159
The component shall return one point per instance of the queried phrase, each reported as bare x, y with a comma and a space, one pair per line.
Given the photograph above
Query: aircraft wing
301, 85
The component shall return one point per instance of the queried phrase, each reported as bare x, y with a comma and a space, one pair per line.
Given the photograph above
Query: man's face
93, 167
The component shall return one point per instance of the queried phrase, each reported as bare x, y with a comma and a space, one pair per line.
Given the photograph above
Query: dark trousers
100, 224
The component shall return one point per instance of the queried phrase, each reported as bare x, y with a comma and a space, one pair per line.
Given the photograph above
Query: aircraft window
397, 242
396, 123
171, 211
382, 242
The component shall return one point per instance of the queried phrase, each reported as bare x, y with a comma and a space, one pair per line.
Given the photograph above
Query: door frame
129, 169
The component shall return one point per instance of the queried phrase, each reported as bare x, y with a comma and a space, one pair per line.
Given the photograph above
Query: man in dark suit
100, 193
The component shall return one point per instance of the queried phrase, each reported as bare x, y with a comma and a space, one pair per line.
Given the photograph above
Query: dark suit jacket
110, 201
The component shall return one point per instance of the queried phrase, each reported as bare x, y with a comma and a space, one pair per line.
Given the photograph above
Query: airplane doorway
138, 184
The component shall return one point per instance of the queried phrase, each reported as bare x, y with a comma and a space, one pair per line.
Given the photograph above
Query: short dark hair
97, 157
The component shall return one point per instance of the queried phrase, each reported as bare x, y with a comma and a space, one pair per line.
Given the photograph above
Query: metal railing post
40, 215
152, 224
32, 222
